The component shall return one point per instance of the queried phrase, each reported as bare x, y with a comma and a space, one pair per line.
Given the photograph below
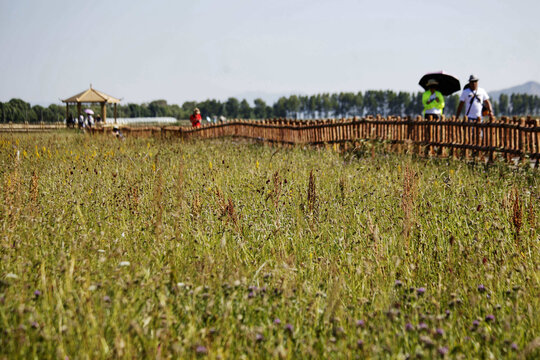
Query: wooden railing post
522, 139
536, 142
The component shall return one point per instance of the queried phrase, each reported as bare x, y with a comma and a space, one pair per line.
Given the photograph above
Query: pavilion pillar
115, 113
104, 112
67, 113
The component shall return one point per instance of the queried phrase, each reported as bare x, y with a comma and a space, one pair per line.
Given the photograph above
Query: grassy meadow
150, 248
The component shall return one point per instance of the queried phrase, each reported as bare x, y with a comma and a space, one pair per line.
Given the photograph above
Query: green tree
293, 106
333, 105
245, 110
158, 108
211, 108
371, 102
503, 104
280, 107
405, 101
313, 105
232, 107
188, 107
394, 104
517, 104
359, 104
260, 111
346, 103
18, 110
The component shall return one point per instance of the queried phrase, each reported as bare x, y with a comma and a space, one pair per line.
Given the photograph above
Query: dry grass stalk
227, 210
517, 213
531, 216
221, 203
133, 199
180, 199
12, 195
232, 216
342, 189
408, 199
312, 195
276, 193
180, 186
34, 191
158, 201
374, 230
196, 206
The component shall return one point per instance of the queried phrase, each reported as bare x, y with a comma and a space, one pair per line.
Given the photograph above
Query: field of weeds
229, 249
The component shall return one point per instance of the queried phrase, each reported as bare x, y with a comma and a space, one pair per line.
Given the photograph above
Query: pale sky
183, 50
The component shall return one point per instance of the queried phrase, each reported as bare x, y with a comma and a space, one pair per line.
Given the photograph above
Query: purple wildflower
514, 346
339, 331
106, 298
475, 323
37, 293
202, 350
422, 326
481, 288
398, 283
439, 332
251, 294
443, 350
409, 327
289, 328
35, 325
490, 317
421, 291
259, 337
360, 343
360, 323
277, 321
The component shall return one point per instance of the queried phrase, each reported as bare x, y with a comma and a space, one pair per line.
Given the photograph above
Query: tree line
345, 104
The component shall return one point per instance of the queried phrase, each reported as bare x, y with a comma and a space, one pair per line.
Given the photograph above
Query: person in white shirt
473, 99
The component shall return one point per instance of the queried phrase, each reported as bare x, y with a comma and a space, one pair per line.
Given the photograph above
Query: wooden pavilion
92, 96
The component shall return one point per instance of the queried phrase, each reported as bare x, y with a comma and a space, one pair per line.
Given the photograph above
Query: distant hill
531, 88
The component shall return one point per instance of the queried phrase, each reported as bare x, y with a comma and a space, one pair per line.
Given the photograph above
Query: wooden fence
511, 137
29, 128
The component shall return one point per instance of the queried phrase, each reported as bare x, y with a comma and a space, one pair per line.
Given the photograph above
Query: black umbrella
448, 84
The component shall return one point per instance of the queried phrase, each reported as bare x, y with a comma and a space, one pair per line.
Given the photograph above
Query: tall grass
227, 249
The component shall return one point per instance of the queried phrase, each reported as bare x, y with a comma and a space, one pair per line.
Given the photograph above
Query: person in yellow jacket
433, 101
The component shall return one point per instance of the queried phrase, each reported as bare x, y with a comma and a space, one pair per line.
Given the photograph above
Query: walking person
433, 101
474, 98
196, 118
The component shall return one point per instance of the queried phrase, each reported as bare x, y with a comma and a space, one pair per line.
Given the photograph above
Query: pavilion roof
91, 96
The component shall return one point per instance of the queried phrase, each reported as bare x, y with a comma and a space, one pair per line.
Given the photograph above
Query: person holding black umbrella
433, 100
474, 99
